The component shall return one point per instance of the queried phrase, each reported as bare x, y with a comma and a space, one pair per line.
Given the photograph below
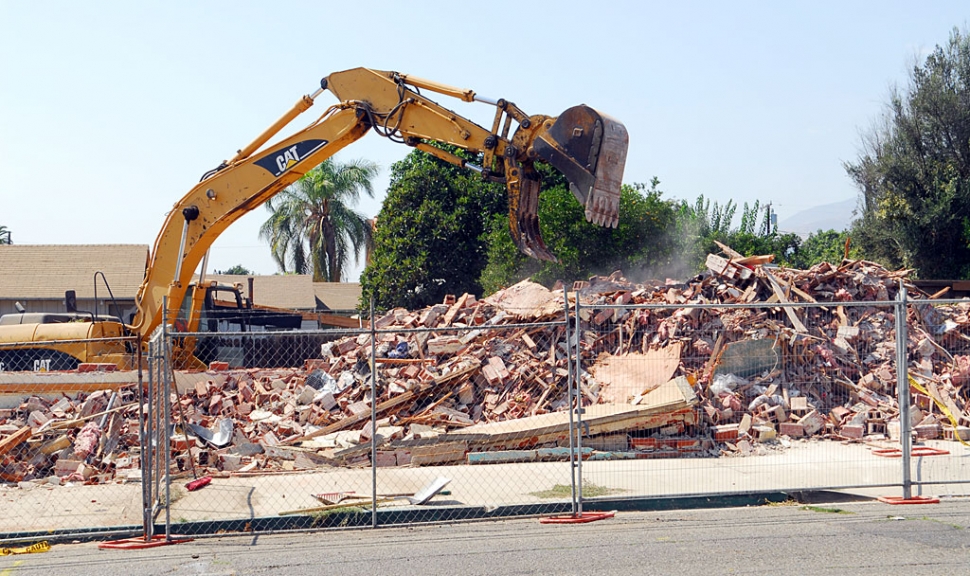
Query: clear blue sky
111, 111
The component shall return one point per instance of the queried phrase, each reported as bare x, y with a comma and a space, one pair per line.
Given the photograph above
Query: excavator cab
589, 148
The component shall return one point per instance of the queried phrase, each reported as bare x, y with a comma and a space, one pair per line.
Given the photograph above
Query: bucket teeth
524, 213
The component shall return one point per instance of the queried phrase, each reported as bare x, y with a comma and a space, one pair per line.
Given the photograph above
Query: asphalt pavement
857, 538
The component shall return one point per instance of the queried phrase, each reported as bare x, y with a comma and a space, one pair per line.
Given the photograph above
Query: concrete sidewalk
804, 466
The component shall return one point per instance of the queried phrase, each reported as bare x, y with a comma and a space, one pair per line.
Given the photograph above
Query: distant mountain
835, 216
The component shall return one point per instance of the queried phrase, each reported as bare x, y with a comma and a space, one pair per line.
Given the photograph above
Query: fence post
165, 441
144, 442
902, 389
373, 413
576, 403
570, 382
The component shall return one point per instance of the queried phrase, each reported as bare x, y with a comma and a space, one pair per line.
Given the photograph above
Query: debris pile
479, 381
826, 368
85, 439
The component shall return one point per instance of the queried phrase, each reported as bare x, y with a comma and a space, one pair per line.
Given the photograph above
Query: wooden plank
399, 361
749, 261
726, 268
14, 440
728, 250
77, 422
474, 365
803, 295
790, 312
356, 419
333, 320
453, 311
528, 341
386, 405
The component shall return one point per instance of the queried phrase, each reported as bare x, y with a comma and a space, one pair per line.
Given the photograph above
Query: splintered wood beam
14, 440
731, 252
780, 294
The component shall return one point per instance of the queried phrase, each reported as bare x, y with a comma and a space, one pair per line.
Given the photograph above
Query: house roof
294, 291
45, 271
338, 295
37, 271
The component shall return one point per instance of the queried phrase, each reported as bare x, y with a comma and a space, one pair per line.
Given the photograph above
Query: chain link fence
456, 412
468, 409
69, 435
778, 397
938, 356
737, 400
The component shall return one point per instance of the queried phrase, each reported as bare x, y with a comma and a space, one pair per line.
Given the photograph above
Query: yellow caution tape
942, 407
32, 549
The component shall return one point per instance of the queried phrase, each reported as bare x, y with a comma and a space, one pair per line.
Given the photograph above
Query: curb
428, 515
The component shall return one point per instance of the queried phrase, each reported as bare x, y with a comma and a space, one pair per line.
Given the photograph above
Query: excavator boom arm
588, 147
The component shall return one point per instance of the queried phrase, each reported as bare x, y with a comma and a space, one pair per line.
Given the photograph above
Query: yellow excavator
588, 147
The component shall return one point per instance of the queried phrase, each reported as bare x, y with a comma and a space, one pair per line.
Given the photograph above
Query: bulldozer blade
589, 148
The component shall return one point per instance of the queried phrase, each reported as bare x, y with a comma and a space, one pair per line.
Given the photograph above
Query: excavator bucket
589, 148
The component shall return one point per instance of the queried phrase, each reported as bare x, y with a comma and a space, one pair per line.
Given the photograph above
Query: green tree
640, 245
702, 224
823, 246
237, 270
5, 236
914, 170
756, 235
429, 240
313, 227
697, 226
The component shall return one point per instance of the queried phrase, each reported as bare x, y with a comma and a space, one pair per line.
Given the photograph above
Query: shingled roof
38, 271
338, 295
42, 271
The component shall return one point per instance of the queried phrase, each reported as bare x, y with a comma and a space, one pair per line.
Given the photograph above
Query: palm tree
313, 227
5, 235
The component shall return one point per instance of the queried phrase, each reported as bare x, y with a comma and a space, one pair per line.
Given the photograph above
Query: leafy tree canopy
640, 244
914, 170
237, 270
428, 239
824, 246
702, 224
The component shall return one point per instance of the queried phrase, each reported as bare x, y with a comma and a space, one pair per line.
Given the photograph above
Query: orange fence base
139, 543
917, 451
910, 500
577, 518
